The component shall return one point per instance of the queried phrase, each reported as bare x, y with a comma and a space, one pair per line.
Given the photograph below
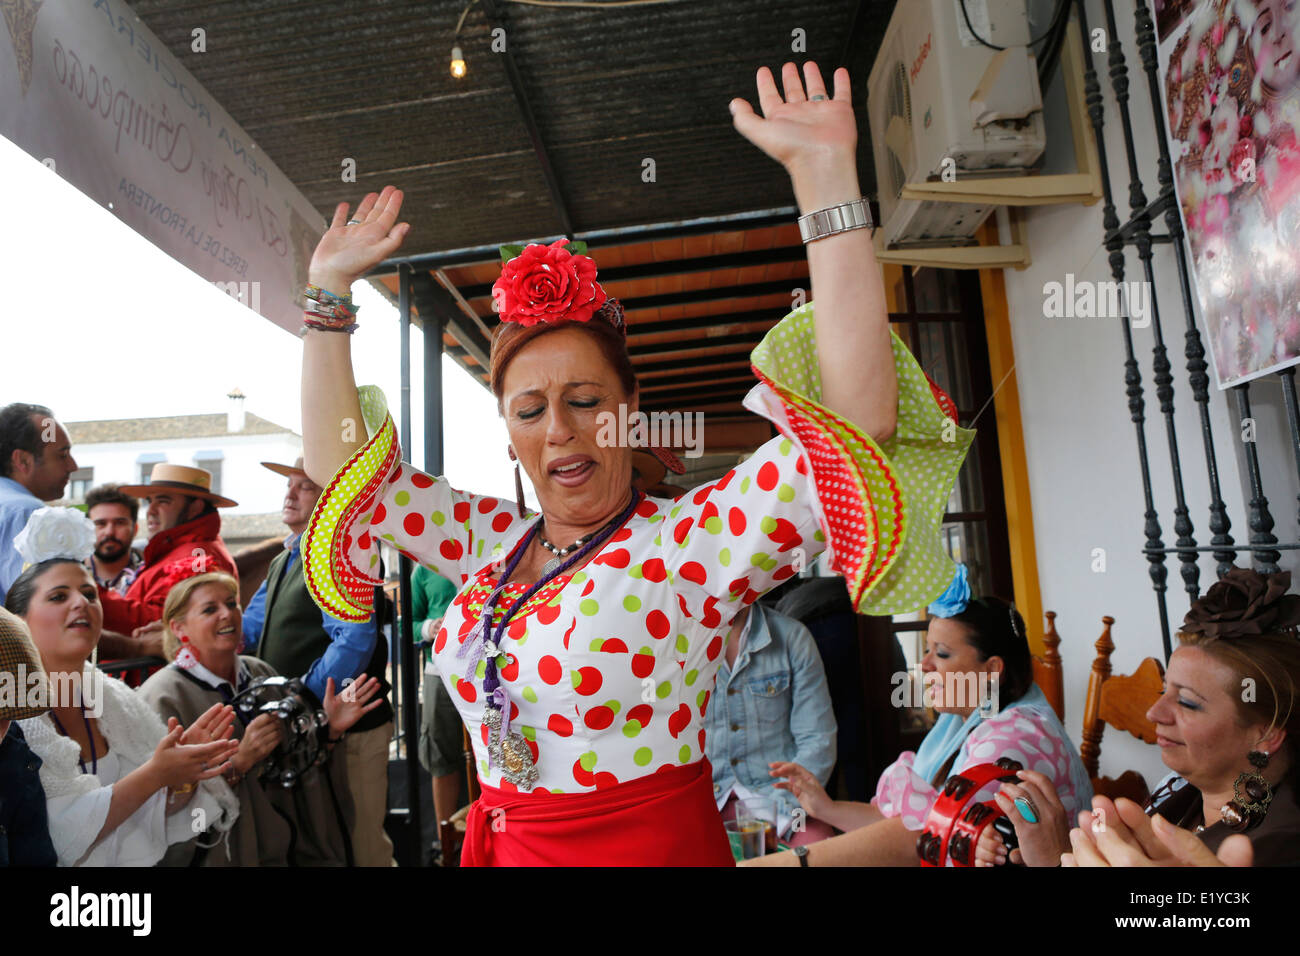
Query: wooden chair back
1120, 701
1047, 669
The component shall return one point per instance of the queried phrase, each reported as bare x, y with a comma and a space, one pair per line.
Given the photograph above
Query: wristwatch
833, 220
802, 853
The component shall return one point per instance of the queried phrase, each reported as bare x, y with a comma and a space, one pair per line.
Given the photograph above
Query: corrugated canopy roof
549, 137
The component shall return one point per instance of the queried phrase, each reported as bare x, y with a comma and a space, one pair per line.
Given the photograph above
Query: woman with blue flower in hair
979, 677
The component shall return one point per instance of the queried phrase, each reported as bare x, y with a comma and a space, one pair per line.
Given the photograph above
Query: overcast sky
98, 323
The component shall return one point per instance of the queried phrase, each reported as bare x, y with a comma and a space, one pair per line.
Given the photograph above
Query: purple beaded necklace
507, 748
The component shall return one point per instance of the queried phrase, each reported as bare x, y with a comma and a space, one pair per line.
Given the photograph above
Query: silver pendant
551, 566
512, 754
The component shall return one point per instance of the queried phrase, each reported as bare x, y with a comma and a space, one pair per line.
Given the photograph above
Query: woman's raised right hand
812, 796
346, 253
178, 765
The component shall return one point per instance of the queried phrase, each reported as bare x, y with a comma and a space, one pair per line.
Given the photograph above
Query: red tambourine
953, 829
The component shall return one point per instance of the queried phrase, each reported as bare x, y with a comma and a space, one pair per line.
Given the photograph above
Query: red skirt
664, 819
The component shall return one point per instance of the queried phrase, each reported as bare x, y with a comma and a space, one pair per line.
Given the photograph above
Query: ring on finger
354, 222
1027, 809
816, 97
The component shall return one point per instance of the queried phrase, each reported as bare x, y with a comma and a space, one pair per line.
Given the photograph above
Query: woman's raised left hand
809, 137
345, 709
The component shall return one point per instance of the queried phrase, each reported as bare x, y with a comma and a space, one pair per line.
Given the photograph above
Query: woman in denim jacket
770, 705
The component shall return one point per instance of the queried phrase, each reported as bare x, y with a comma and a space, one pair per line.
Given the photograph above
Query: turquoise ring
1026, 809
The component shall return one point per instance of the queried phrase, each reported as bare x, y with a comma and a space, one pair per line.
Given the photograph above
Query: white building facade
231, 446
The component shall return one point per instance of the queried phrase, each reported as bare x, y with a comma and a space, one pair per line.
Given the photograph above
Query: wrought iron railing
1264, 547
133, 671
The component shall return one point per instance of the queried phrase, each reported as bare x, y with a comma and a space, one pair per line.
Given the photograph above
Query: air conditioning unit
940, 102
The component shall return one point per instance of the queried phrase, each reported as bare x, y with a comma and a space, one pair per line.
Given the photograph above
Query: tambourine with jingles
305, 740
953, 829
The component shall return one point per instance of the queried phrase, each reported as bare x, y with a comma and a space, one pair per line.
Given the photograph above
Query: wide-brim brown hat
289, 471
18, 662
195, 482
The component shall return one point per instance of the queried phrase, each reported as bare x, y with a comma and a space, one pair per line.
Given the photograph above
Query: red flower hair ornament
555, 283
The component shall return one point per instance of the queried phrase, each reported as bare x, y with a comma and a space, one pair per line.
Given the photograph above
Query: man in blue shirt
285, 627
35, 462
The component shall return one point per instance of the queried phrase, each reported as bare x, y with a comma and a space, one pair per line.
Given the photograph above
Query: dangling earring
1242, 813
519, 482
185, 656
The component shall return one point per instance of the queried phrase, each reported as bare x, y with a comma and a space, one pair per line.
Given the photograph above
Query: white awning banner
87, 89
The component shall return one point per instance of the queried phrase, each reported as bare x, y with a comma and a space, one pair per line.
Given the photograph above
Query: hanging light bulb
458, 69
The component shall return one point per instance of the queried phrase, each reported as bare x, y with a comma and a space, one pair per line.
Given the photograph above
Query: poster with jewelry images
1230, 71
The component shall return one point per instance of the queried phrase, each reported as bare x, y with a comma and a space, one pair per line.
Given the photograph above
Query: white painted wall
1080, 443
257, 489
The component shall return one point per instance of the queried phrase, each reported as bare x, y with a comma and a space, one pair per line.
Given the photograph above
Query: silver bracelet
833, 220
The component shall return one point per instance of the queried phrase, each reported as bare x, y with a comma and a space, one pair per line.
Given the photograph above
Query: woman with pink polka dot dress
582, 647
979, 677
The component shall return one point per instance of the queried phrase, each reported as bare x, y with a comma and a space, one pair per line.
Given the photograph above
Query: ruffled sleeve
376, 496
901, 792
823, 485
81, 816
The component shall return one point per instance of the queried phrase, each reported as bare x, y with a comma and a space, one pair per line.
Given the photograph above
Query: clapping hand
215, 723
1123, 835
345, 709
180, 765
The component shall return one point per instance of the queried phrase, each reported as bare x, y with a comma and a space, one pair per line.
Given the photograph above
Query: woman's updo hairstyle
508, 338
995, 629
1249, 622
177, 604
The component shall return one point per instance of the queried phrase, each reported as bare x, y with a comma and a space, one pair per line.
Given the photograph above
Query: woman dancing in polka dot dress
582, 646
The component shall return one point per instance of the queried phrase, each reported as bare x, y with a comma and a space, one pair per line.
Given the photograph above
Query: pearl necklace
561, 553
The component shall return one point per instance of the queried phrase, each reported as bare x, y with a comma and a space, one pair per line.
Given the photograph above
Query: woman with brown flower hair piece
582, 648
1228, 726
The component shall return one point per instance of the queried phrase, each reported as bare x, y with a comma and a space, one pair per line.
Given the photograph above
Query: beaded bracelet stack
329, 312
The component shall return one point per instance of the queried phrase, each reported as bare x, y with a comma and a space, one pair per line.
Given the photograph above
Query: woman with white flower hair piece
116, 779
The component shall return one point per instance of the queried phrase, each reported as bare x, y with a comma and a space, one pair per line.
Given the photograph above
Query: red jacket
171, 556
